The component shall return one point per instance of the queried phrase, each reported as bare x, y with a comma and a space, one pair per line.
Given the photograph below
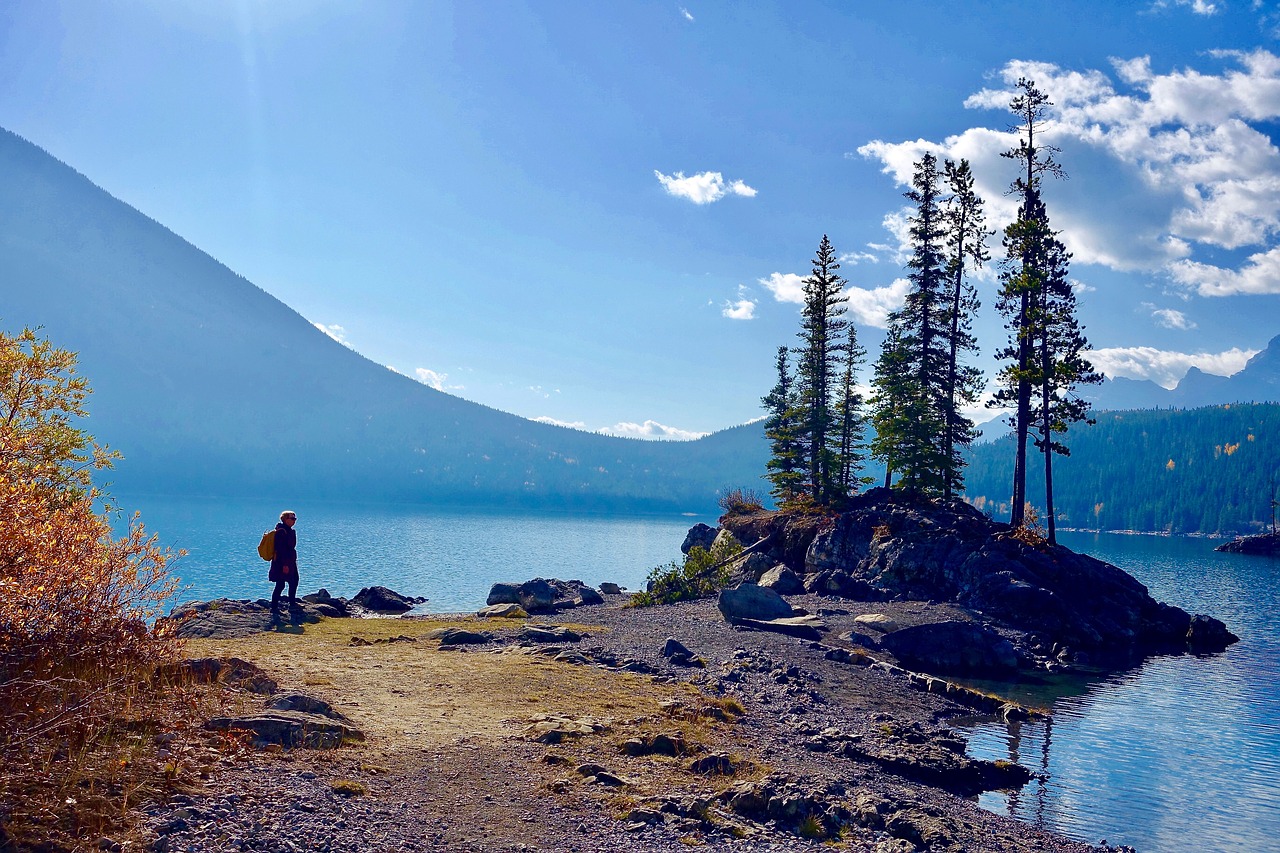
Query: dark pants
293, 590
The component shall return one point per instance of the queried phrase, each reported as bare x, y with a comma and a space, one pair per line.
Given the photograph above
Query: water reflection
1181, 753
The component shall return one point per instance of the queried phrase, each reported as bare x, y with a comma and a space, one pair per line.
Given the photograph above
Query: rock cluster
885, 548
543, 595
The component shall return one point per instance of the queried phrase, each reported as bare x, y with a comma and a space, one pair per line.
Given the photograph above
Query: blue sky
599, 213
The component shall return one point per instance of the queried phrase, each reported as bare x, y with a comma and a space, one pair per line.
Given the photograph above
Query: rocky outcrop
885, 547
232, 672
225, 617
699, 536
1266, 545
289, 729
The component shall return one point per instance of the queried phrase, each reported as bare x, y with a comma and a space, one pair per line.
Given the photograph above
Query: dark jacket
286, 554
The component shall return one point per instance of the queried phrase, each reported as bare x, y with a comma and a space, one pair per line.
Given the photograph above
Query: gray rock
1206, 634
610, 588
877, 622
700, 535
502, 611
749, 601
952, 647
673, 648
804, 627
459, 636
233, 672
306, 704
536, 595
504, 593
290, 729
548, 634
782, 580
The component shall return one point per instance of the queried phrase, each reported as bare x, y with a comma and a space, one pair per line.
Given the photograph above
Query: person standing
284, 565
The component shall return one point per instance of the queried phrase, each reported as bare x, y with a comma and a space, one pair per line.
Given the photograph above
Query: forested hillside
1207, 470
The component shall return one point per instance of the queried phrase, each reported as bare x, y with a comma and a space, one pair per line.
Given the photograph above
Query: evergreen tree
921, 347
821, 334
782, 427
1062, 365
852, 448
892, 389
966, 239
1021, 279
1046, 345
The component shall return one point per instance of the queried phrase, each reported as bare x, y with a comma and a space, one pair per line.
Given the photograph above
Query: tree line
1210, 470
922, 382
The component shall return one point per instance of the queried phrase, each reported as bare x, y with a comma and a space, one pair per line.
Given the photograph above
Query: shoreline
862, 750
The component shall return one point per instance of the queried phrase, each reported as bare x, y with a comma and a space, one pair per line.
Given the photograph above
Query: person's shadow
292, 624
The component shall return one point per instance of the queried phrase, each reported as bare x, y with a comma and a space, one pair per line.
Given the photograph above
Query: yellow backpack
267, 547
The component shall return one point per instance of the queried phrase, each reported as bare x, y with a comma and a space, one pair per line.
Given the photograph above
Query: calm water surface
1180, 754
450, 556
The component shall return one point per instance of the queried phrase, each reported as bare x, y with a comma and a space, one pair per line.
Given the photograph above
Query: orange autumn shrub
77, 606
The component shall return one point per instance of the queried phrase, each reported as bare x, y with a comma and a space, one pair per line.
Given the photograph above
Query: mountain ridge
210, 385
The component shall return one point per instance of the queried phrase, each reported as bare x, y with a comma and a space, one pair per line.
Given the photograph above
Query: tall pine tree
822, 331
1046, 344
966, 238
918, 332
1022, 278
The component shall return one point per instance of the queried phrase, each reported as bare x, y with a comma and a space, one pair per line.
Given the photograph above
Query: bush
703, 573
77, 706
739, 500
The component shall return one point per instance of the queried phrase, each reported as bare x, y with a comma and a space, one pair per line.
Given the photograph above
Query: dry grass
418, 695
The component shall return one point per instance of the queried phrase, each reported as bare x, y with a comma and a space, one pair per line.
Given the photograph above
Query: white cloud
1200, 7
650, 430
1164, 367
1169, 317
1260, 274
872, 307
855, 258
742, 309
702, 188
1182, 148
336, 332
543, 419
438, 381
688, 16
785, 287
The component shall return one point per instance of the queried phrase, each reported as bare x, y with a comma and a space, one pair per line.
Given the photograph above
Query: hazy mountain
210, 385
1257, 382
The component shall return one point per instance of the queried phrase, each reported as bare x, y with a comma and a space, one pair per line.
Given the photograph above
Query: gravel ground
486, 795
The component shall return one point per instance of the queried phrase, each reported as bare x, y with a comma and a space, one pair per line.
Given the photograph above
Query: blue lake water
451, 557
1180, 754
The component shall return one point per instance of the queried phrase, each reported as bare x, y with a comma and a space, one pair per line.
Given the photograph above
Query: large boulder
503, 593
749, 601
782, 580
537, 595
701, 536
382, 600
951, 647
